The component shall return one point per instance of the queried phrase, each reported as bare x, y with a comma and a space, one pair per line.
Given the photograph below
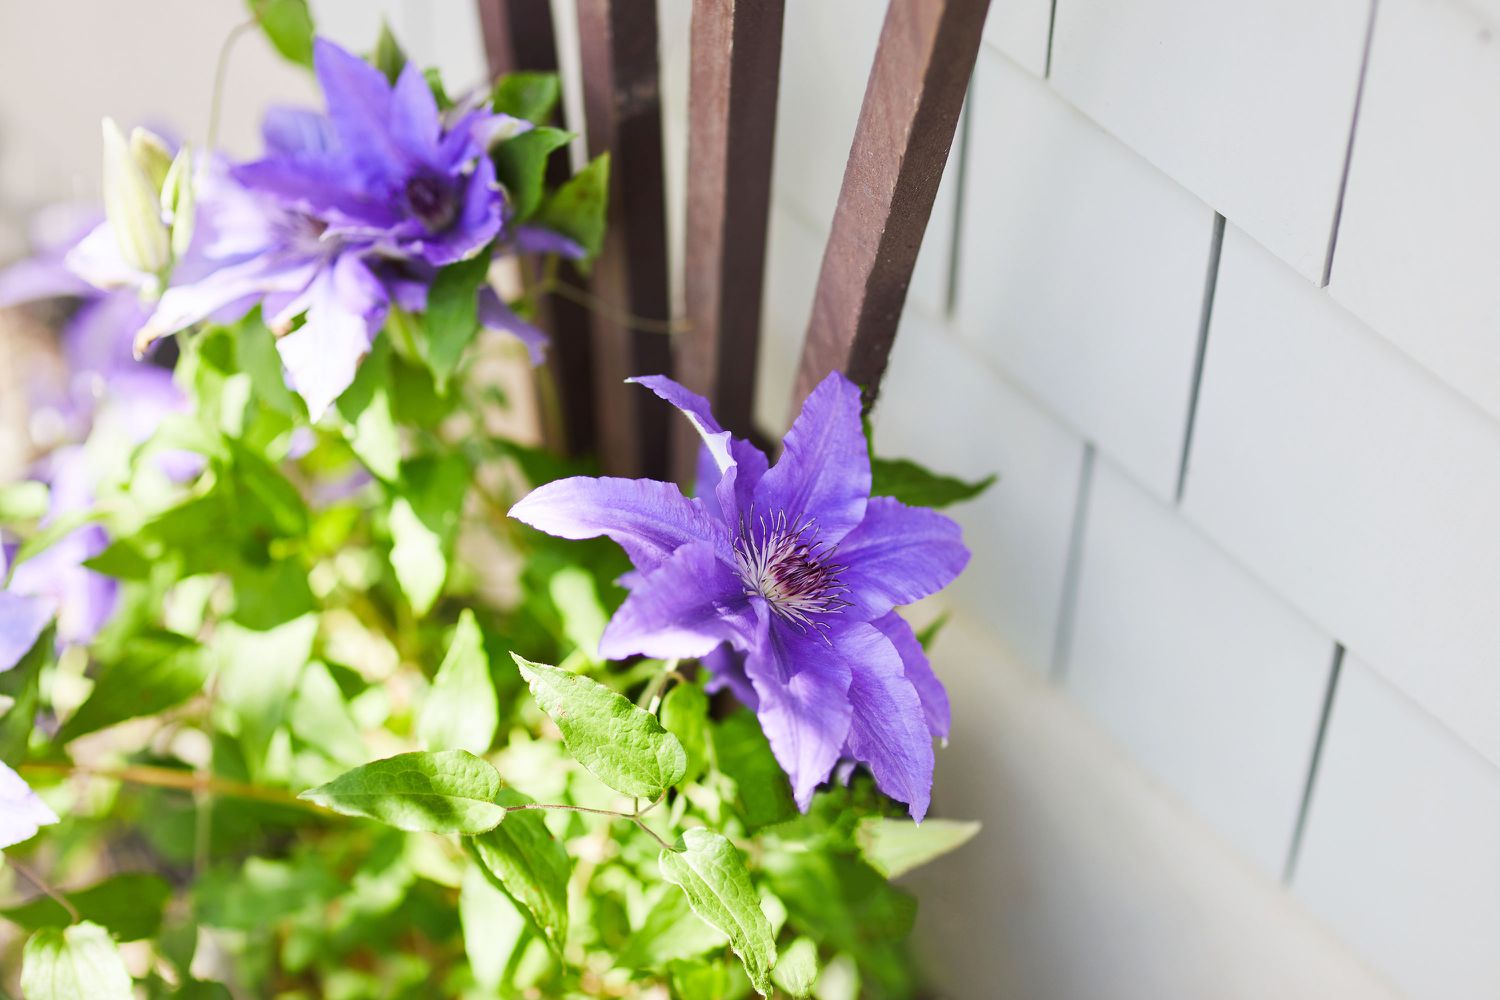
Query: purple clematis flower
22, 813
796, 570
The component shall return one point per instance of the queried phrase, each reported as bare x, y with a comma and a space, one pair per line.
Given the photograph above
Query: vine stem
634, 817
221, 71
552, 285
650, 698
187, 781
41, 883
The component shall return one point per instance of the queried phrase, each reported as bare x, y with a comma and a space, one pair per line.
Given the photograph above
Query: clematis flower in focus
796, 570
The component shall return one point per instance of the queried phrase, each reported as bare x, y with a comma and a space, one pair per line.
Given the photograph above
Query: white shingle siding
1246, 104
1357, 484
1212, 682
1418, 253
1400, 854
1082, 270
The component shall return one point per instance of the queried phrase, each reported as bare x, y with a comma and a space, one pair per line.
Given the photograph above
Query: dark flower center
795, 573
431, 200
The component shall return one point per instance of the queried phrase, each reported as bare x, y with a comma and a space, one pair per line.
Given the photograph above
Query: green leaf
156, 670
573, 591
578, 209
493, 927
529, 95
22, 686
423, 524
452, 791
926, 636
894, 847
461, 712
452, 317
710, 870
763, 794
123, 560
797, 968
670, 932
75, 963
917, 487
624, 746
684, 714
319, 717
521, 165
258, 671
524, 860
388, 56
129, 906
366, 408
288, 25
23, 501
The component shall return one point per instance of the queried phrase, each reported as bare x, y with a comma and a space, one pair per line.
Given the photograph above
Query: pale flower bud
178, 202
133, 206
150, 151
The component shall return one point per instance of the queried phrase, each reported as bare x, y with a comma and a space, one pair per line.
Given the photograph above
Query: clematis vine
784, 578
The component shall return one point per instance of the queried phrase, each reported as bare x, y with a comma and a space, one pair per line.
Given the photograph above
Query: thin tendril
41, 884
221, 70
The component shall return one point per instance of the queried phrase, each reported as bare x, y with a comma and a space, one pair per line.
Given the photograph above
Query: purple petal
98, 337
359, 106
347, 308
802, 684
686, 607
494, 314
481, 216
727, 667
22, 620
415, 122
183, 305
22, 813
39, 278
930, 690
823, 475
899, 554
648, 519
97, 260
536, 239
297, 132
887, 730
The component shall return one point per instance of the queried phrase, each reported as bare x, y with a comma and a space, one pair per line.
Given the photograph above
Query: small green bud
150, 151
178, 201
132, 205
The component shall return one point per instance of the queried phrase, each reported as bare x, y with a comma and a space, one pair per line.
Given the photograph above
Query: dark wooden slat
735, 69
519, 36
912, 102
622, 112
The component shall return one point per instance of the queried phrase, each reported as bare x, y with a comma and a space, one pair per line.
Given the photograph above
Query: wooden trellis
906, 124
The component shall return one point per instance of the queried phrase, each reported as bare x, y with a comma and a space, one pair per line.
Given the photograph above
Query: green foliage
711, 872
452, 317
388, 57
128, 906
894, 847
918, 487
289, 27
797, 969
578, 208
526, 862
451, 791
158, 671
521, 165
529, 95
624, 746
75, 963
460, 712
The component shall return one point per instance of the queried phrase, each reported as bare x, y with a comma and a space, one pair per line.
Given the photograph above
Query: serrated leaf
452, 317
74, 963
423, 524
452, 791
579, 208
528, 94
521, 165
622, 745
129, 906
894, 847
289, 26
523, 859
710, 870
461, 711
918, 487
155, 671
